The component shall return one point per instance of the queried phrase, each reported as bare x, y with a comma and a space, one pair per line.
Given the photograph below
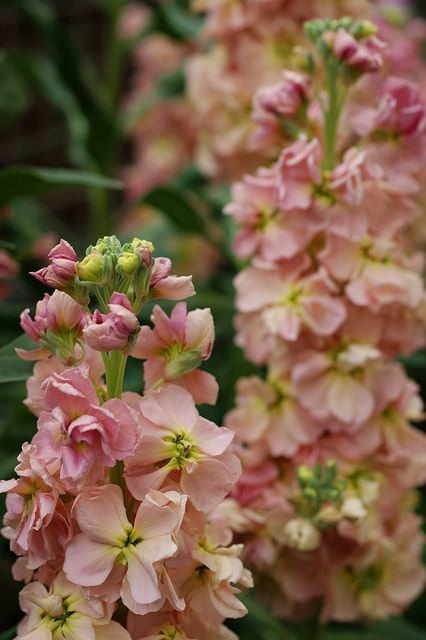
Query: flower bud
128, 262
92, 268
60, 273
144, 249
302, 535
353, 509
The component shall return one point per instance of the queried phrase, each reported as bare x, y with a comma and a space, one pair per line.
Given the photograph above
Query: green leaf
41, 74
174, 20
12, 368
21, 181
176, 206
9, 634
79, 77
14, 98
394, 629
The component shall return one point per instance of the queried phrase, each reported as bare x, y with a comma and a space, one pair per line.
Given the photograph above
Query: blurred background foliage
64, 121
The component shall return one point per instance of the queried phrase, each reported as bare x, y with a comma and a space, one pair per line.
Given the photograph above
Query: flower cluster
332, 294
245, 46
110, 513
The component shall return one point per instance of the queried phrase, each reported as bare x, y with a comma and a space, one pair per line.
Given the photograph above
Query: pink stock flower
338, 384
177, 441
175, 347
287, 302
365, 55
348, 178
374, 279
275, 102
270, 412
109, 544
266, 229
77, 434
63, 613
37, 522
401, 110
298, 173
114, 330
163, 285
44, 369
58, 322
62, 268
380, 580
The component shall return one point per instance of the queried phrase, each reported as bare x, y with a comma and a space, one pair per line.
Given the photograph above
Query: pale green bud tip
363, 29
128, 262
304, 473
91, 268
146, 245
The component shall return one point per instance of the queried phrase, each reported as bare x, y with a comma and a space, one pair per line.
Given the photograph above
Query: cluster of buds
111, 511
333, 292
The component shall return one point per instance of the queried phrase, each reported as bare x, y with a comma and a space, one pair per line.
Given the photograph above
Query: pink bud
283, 98
365, 55
114, 330
401, 109
62, 268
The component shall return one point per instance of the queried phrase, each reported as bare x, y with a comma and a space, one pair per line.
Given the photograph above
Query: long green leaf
12, 368
31, 181
9, 634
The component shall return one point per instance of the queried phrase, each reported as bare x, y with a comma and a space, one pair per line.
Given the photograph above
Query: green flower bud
92, 268
363, 29
128, 262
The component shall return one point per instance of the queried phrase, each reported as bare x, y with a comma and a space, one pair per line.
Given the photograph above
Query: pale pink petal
171, 407
152, 520
101, 515
88, 563
210, 438
111, 631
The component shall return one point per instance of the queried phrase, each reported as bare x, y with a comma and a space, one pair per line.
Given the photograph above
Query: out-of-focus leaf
44, 78
14, 98
174, 19
9, 634
77, 74
395, 629
174, 204
416, 361
30, 181
13, 368
258, 624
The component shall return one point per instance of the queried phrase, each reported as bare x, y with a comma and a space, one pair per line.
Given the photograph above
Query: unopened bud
91, 268
328, 515
302, 535
128, 263
363, 29
353, 509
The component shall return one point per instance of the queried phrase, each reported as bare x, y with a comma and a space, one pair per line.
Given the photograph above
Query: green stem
115, 367
332, 113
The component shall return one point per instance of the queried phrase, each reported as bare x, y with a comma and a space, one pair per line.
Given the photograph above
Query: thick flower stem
115, 367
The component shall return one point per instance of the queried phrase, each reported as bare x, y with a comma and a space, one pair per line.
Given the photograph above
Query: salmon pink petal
101, 515
140, 483
111, 631
349, 400
88, 563
202, 385
152, 520
210, 438
171, 407
209, 482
